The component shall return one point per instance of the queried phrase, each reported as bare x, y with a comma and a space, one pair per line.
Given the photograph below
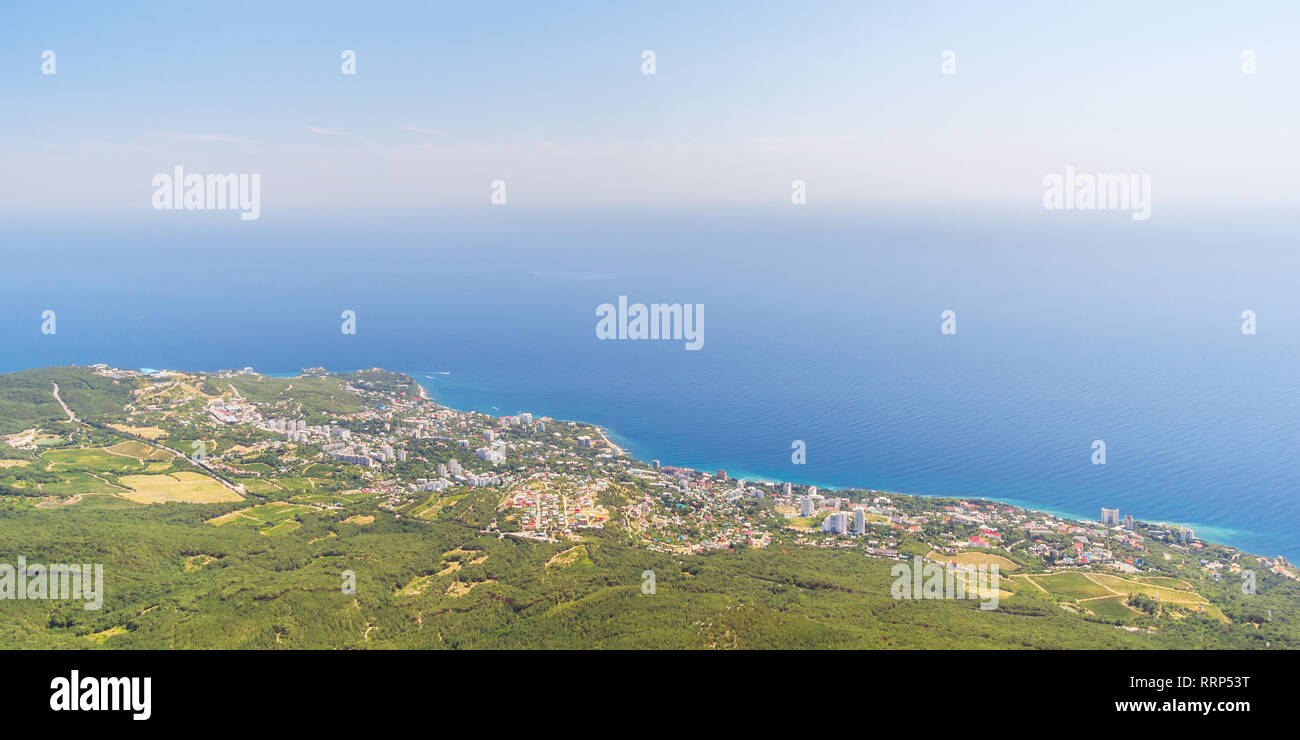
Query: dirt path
71, 416
1027, 578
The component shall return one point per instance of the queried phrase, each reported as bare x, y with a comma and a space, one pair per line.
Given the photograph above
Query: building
1128, 522
837, 523
490, 454
362, 460
812, 490
859, 520
806, 506
1110, 517
722, 474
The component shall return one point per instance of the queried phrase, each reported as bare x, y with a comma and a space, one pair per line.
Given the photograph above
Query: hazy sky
550, 97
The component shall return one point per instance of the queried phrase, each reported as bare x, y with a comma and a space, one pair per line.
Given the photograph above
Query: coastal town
373, 443
553, 479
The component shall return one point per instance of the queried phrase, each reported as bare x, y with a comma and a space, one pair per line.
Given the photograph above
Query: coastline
617, 450
1216, 533
1209, 533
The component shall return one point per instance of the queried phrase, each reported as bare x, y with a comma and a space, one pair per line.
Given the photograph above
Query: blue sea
821, 325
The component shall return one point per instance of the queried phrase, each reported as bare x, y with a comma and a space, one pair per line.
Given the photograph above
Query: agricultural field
1069, 585
259, 486
97, 460
260, 515
975, 558
435, 504
74, 484
149, 433
304, 485
1110, 608
283, 527
339, 498
184, 486
139, 451
1106, 595
1127, 586
1166, 582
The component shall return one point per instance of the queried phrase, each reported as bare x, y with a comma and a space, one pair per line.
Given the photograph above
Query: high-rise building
806, 506
490, 454
837, 523
859, 520
1128, 522
812, 490
1110, 517
785, 489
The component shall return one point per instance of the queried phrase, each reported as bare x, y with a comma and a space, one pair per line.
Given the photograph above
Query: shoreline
617, 450
1217, 534
748, 477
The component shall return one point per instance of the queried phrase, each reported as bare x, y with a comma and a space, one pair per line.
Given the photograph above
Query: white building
491, 455
837, 523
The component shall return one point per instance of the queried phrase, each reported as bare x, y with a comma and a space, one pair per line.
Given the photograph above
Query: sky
551, 98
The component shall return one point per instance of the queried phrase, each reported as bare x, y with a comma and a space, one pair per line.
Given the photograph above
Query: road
200, 463
71, 416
